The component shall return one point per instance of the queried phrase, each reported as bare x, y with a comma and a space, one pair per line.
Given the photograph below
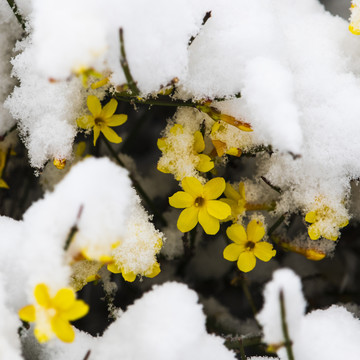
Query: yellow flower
102, 119
247, 245
325, 222
52, 314
59, 163
129, 275
204, 162
220, 146
236, 200
200, 204
354, 25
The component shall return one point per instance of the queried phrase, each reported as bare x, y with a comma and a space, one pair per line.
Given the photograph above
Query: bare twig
287, 342
16, 12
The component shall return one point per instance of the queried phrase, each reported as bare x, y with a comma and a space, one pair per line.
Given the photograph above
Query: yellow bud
59, 163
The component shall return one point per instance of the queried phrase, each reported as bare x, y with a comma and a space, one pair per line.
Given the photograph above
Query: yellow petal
41, 336
354, 29
199, 144
3, 184
232, 252
63, 299
161, 144
114, 268
111, 135
246, 261
218, 209
188, 219
234, 152
310, 217
231, 193
94, 105
181, 199
209, 223
237, 233
96, 134
42, 296
264, 251
116, 120
242, 190
314, 232
192, 186
214, 188
129, 276
154, 271
78, 310
62, 329
255, 231
27, 313
205, 163
109, 109
219, 146
344, 223
177, 129
85, 122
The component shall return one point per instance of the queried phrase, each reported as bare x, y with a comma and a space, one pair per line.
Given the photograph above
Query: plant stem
287, 343
267, 182
248, 295
137, 185
125, 66
277, 223
16, 12
2, 137
87, 355
205, 19
74, 229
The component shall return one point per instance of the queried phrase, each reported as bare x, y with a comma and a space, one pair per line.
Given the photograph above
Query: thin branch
2, 137
267, 182
125, 66
16, 12
287, 343
74, 229
205, 19
277, 223
87, 355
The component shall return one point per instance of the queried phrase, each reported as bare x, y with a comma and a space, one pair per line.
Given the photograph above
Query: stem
287, 343
257, 207
205, 19
74, 229
242, 351
137, 185
248, 296
276, 224
16, 12
160, 100
125, 66
267, 182
87, 355
2, 137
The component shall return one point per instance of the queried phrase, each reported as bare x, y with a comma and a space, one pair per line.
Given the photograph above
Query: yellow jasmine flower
84, 74
325, 222
130, 276
59, 163
354, 25
200, 204
52, 314
203, 163
247, 245
236, 200
220, 146
102, 119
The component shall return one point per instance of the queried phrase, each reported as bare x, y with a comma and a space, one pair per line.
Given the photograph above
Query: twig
2, 137
277, 223
125, 66
287, 343
137, 185
267, 182
205, 19
87, 355
16, 12
74, 229
248, 296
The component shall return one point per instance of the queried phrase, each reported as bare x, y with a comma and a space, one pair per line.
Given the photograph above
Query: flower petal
199, 143
153, 271
85, 122
116, 120
209, 223
181, 199
27, 313
94, 105
128, 276
78, 309
218, 209
96, 134
188, 219
109, 109
64, 298
111, 135
231, 193
214, 188
62, 329
314, 232
192, 186
310, 217
237, 233
264, 251
41, 335
255, 231
205, 163
42, 296
246, 261
114, 268
232, 252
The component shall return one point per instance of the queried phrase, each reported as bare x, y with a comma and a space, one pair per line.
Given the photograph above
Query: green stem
288, 343
16, 12
125, 66
2, 137
277, 223
137, 185
238, 342
248, 296
74, 229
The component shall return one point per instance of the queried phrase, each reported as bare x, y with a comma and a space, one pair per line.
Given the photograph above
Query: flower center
99, 122
249, 245
199, 201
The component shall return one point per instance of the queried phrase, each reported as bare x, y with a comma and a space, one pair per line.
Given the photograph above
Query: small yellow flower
325, 222
236, 200
52, 314
129, 275
59, 163
247, 245
203, 163
220, 146
102, 119
200, 204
